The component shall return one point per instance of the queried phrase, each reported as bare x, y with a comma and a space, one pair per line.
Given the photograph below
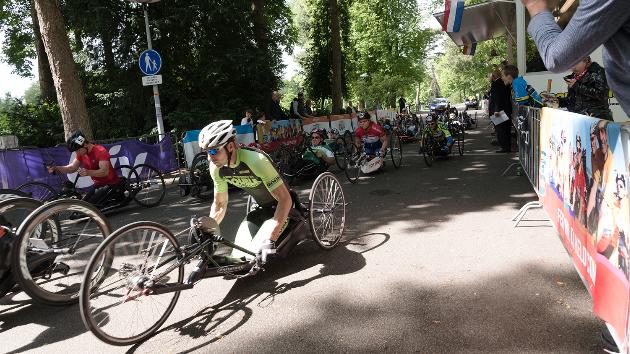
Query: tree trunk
336, 56
62, 66
46, 84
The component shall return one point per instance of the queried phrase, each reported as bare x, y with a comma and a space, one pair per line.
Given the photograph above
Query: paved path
430, 263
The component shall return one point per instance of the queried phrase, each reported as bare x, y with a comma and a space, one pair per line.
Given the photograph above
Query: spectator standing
522, 93
273, 110
593, 24
401, 104
350, 109
307, 108
248, 118
588, 90
500, 101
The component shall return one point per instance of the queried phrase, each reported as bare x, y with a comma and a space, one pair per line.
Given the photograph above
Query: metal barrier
528, 140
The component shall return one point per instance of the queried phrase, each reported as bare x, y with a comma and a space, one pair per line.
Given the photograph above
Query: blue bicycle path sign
150, 62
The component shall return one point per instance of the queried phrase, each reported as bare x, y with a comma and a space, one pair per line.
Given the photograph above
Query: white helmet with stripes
216, 134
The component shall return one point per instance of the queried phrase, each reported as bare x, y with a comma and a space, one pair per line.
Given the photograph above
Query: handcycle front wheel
327, 210
426, 145
395, 148
354, 160
125, 307
460, 141
38, 190
340, 153
202, 186
53, 246
147, 185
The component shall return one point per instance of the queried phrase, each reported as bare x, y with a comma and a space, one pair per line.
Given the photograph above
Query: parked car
439, 105
472, 103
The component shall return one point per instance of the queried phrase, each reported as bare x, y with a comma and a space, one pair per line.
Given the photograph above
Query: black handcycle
45, 247
430, 146
143, 184
143, 264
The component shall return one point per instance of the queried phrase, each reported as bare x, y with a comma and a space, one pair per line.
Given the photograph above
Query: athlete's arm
385, 141
272, 228
70, 168
103, 170
219, 206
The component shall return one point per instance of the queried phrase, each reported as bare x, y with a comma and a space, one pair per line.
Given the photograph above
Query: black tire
202, 186
340, 153
11, 193
426, 147
327, 207
113, 316
13, 211
395, 149
354, 160
146, 185
38, 190
460, 141
348, 138
59, 231
184, 185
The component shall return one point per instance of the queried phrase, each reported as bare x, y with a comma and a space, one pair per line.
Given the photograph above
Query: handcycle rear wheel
13, 211
52, 247
146, 185
122, 308
200, 179
11, 193
38, 190
327, 210
427, 149
395, 148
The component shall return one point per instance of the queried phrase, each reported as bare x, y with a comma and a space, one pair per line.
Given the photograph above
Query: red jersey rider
371, 135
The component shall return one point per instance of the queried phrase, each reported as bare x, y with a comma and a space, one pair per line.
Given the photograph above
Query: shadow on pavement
217, 321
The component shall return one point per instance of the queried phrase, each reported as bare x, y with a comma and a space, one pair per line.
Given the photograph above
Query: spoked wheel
395, 148
147, 185
202, 185
38, 190
126, 306
427, 149
340, 153
52, 248
13, 211
460, 141
327, 210
354, 159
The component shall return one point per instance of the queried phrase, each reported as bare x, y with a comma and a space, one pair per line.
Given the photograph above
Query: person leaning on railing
594, 23
588, 90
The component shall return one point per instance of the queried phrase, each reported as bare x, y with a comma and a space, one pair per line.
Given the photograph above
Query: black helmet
363, 115
76, 141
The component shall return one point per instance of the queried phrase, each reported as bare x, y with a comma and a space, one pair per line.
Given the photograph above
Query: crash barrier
582, 184
22, 165
528, 134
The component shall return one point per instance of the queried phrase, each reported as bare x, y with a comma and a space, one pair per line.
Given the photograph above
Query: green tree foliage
214, 65
317, 60
27, 122
462, 75
389, 49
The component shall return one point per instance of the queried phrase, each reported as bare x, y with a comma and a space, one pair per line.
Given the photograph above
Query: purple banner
20, 166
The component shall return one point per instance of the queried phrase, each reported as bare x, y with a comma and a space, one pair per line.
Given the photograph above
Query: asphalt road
429, 263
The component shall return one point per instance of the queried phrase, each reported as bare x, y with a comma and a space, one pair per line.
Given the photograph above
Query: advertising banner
245, 134
20, 166
279, 132
341, 122
583, 186
311, 124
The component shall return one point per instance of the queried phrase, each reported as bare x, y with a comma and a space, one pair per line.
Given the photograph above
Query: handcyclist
319, 153
91, 160
252, 171
440, 133
371, 135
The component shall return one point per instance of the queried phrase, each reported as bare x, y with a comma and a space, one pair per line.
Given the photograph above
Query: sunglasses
214, 151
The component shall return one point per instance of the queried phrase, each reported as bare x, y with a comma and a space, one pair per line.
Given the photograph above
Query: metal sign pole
156, 92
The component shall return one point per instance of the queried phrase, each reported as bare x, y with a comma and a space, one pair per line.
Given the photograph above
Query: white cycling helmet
216, 134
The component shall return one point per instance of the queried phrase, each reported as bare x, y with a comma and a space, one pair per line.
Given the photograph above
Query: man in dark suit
273, 111
501, 100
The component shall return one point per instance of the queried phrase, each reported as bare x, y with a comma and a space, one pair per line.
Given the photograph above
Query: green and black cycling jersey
254, 173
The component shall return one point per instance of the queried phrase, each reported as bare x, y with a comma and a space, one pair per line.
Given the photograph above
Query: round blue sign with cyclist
150, 62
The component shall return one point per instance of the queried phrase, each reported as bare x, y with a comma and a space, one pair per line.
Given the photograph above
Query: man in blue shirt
523, 94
